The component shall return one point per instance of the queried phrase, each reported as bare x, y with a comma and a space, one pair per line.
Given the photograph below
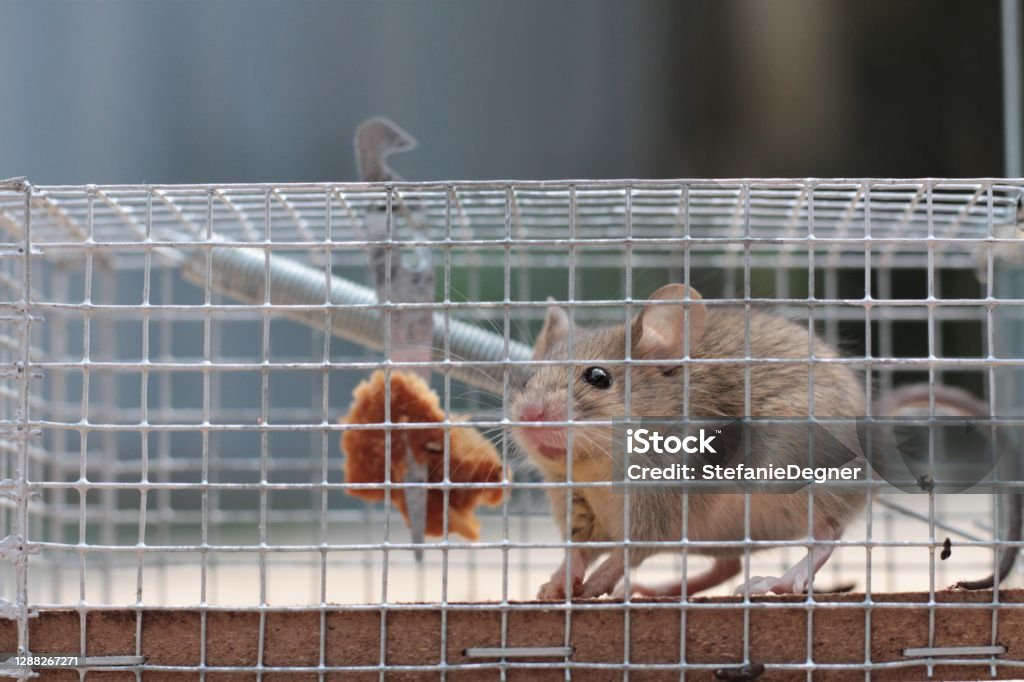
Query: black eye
598, 377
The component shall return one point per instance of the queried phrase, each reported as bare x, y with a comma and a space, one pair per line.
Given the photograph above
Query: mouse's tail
916, 399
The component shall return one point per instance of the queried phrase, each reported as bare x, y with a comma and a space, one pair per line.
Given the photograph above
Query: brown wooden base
778, 636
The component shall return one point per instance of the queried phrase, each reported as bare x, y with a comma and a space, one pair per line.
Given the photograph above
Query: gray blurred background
231, 91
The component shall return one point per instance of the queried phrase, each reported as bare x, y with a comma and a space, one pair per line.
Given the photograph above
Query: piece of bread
473, 458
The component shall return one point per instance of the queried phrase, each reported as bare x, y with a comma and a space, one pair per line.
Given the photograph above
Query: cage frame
26, 315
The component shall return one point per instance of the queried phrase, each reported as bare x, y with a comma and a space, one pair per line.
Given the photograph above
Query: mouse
673, 325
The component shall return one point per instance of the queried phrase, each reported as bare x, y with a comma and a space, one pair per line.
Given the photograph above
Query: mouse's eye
598, 377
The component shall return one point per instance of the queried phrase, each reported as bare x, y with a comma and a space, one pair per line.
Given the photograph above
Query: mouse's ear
658, 330
556, 328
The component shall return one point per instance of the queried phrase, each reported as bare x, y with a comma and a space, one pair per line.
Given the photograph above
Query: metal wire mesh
169, 441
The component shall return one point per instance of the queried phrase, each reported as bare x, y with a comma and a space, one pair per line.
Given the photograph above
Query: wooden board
778, 628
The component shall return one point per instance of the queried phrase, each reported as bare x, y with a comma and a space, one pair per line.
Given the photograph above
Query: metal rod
937, 651
519, 651
240, 273
1012, 120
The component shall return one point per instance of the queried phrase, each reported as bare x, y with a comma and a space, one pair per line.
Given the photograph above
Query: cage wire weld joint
15, 549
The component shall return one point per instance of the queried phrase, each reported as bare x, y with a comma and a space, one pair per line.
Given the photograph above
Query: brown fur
715, 390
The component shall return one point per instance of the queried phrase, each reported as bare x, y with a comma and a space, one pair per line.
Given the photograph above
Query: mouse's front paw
555, 589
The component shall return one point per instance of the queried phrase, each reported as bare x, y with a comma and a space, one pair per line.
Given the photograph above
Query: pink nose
532, 412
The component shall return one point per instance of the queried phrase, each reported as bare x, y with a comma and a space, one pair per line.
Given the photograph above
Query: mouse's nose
532, 412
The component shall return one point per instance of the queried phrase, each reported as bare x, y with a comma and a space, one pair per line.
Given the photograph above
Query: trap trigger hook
402, 276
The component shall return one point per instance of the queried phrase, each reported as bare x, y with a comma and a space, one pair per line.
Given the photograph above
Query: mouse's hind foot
797, 579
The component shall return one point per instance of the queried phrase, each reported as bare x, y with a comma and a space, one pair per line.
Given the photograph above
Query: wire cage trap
179, 358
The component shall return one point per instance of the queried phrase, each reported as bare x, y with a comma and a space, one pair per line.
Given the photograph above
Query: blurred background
232, 91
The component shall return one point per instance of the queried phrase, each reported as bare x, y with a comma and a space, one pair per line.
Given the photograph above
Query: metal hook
376, 139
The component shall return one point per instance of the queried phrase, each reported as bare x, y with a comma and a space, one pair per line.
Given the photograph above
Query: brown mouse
657, 333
